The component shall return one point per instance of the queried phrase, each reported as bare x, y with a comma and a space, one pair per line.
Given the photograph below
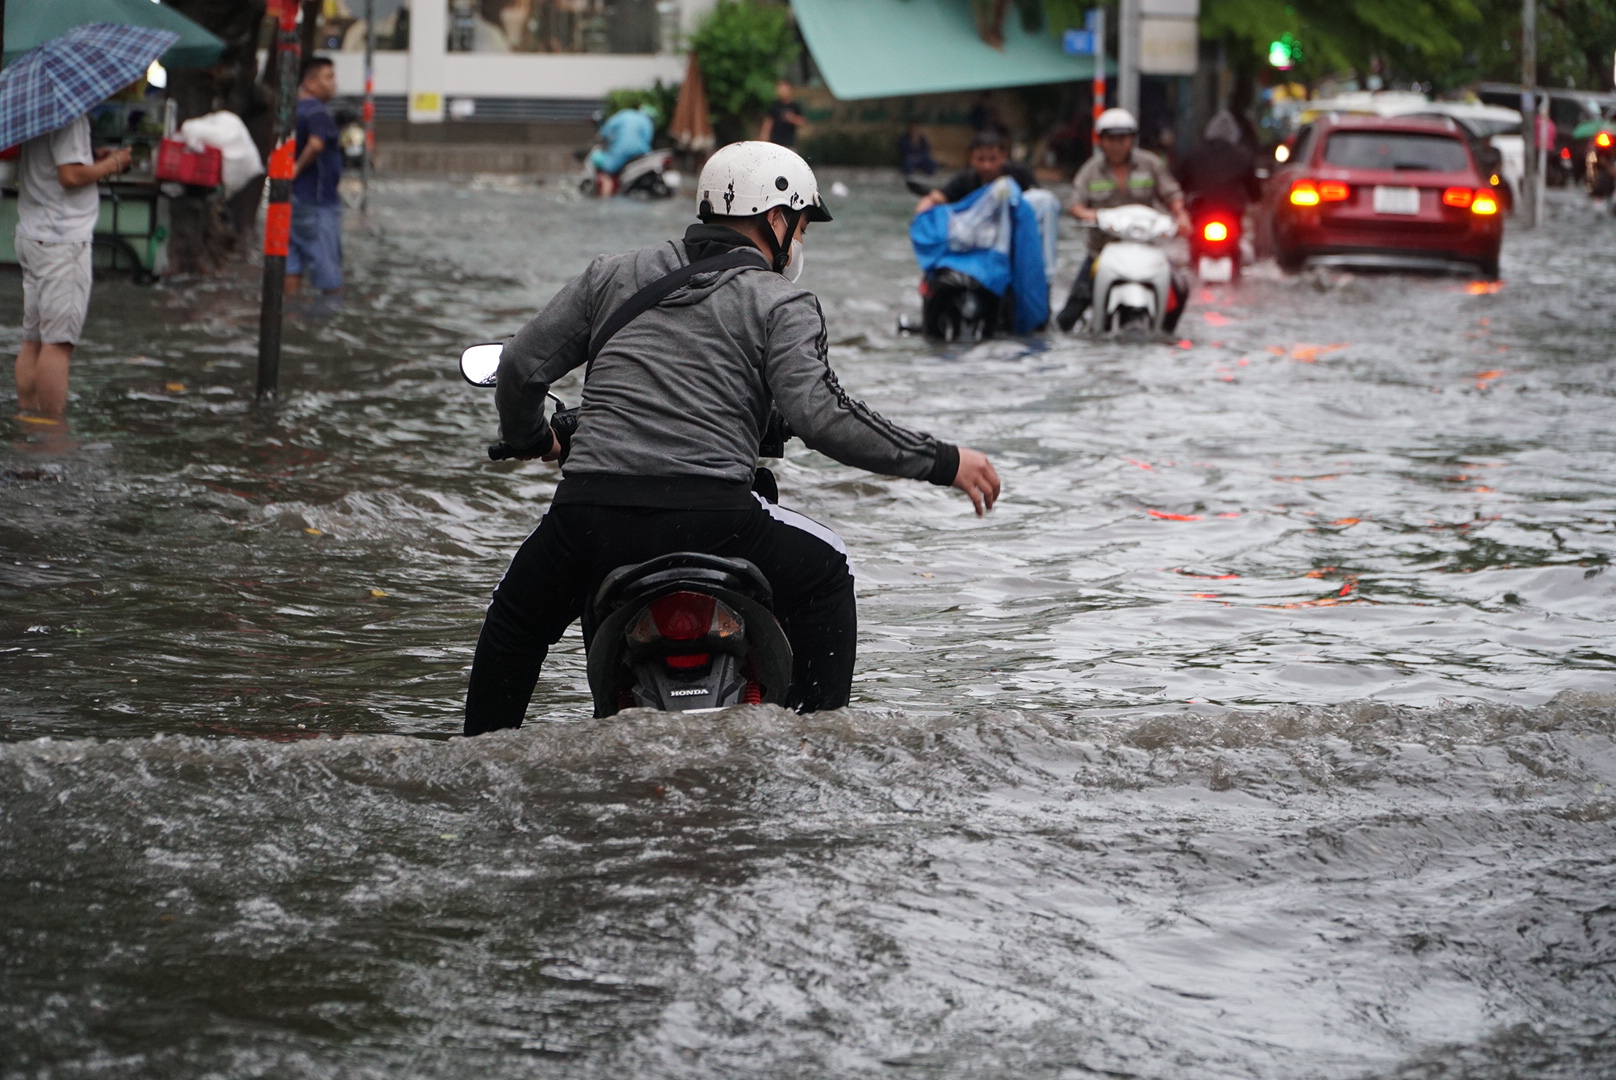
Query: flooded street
1267, 727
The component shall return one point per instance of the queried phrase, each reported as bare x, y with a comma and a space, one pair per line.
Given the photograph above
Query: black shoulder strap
653, 294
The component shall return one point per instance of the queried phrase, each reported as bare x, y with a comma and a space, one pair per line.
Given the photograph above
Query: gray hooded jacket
677, 402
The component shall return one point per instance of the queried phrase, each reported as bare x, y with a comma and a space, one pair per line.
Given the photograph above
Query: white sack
225, 132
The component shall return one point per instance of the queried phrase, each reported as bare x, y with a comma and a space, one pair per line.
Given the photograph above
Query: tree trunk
205, 230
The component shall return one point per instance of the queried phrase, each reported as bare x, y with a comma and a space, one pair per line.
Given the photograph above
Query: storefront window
553, 26
343, 25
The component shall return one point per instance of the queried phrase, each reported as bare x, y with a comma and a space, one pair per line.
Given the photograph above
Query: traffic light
1284, 53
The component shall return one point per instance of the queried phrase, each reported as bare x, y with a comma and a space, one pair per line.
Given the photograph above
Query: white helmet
1116, 122
748, 178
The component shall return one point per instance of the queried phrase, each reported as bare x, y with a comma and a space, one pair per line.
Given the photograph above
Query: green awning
889, 48
31, 22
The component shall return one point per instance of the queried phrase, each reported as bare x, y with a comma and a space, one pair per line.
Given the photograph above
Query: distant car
1397, 193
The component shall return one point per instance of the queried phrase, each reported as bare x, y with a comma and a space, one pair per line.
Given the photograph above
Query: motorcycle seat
688, 568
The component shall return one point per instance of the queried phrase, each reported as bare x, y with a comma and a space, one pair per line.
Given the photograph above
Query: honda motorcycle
682, 632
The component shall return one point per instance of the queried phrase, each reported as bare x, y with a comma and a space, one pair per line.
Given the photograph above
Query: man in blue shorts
316, 242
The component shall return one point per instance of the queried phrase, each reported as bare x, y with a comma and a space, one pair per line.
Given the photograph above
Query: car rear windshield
1395, 150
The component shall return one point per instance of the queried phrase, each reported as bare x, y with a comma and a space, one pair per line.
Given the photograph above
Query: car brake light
1565, 152
1334, 191
1215, 231
685, 663
1458, 196
1602, 140
1304, 193
1485, 203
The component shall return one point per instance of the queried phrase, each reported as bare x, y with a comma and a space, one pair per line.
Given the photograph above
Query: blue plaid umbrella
53, 84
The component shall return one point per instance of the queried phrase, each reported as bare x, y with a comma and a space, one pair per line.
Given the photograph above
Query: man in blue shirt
316, 241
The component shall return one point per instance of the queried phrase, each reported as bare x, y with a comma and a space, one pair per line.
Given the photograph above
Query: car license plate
1397, 200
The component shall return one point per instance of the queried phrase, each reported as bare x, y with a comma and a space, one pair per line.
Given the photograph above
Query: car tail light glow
1484, 203
1602, 140
1215, 231
1304, 193
1334, 191
1461, 197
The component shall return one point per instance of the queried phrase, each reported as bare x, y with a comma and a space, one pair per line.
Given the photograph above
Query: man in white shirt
57, 205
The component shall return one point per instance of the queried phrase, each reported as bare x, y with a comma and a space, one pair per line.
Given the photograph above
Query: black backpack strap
654, 293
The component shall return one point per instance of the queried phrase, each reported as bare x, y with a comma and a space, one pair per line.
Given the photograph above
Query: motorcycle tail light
685, 663
1602, 140
1304, 193
1565, 152
1334, 191
1458, 196
683, 616
1215, 232
1484, 203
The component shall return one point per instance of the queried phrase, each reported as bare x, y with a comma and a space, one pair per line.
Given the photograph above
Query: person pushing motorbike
687, 347
1121, 175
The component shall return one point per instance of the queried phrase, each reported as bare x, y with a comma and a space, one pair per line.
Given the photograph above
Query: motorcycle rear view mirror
479, 365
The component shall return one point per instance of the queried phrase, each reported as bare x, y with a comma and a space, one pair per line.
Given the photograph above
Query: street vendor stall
131, 234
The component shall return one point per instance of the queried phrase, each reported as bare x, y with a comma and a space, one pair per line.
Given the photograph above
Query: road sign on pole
1078, 42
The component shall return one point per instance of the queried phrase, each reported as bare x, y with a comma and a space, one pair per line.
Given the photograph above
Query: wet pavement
1265, 729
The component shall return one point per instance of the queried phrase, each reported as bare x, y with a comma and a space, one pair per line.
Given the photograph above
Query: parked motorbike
1215, 240
650, 176
1133, 279
683, 632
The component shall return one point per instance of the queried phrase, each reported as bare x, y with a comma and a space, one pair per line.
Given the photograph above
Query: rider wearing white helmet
1120, 175
689, 346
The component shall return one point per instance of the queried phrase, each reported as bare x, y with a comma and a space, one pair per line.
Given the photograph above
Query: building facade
506, 61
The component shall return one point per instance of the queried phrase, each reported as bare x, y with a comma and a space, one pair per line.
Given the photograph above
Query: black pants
575, 547
1082, 295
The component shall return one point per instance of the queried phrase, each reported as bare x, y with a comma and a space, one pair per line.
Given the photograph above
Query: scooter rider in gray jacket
676, 401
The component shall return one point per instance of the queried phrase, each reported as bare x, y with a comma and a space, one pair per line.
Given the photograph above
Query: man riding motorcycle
1121, 175
626, 135
675, 405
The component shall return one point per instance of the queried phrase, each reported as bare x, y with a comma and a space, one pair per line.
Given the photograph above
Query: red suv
1394, 193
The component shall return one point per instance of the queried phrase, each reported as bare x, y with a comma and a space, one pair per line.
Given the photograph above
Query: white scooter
649, 175
1133, 279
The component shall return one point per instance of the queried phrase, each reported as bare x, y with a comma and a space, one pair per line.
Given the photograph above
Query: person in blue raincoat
627, 135
992, 235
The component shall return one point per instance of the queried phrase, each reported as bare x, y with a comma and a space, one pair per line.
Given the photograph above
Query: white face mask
794, 267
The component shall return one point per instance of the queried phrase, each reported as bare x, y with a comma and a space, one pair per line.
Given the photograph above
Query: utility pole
1097, 16
370, 105
1526, 207
278, 216
1128, 56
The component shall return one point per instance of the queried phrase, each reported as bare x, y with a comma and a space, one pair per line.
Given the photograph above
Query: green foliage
664, 97
1063, 15
1416, 36
743, 48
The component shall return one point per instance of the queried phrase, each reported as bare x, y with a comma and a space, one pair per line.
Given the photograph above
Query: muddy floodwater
1266, 729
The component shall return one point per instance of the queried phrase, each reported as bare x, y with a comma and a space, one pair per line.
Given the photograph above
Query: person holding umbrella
57, 206
44, 98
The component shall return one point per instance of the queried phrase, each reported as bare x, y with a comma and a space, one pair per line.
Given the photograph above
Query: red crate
174, 162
